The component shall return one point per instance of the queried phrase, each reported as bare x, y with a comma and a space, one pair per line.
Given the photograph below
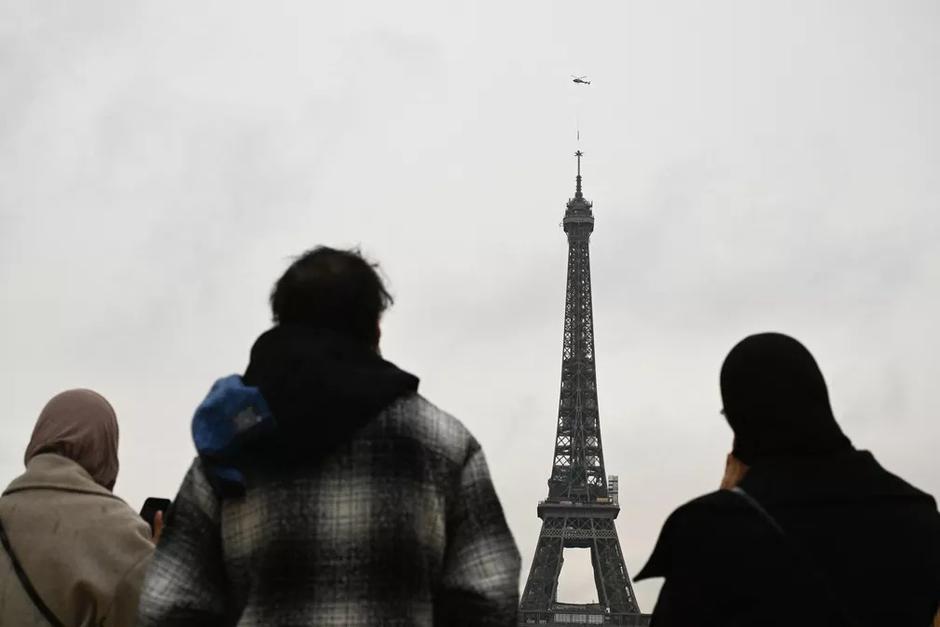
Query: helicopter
580, 79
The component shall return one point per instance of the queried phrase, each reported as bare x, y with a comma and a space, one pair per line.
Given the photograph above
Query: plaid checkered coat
398, 526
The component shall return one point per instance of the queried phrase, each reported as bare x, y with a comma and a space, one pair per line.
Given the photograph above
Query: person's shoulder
417, 418
197, 484
127, 528
692, 528
895, 485
705, 509
719, 501
707, 515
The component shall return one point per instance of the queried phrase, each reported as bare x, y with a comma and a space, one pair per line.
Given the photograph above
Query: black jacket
861, 544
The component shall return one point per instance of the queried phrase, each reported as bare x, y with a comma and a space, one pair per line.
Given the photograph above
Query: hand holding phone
153, 512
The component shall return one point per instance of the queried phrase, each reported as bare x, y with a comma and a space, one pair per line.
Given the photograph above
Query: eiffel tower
579, 511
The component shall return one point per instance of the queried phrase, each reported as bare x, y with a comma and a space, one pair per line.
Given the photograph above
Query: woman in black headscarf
806, 529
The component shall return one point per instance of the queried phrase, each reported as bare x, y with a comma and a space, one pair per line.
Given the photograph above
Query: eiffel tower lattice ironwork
579, 512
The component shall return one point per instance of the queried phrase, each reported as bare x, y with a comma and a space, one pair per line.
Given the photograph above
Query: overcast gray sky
754, 166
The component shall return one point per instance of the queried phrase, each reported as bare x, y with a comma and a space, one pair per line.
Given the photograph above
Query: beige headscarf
80, 425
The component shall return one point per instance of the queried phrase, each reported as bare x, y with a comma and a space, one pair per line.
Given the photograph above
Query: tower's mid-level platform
573, 509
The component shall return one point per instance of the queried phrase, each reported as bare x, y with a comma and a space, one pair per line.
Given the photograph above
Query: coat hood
305, 392
322, 386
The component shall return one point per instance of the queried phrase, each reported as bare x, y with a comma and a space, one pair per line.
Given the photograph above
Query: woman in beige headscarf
83, 549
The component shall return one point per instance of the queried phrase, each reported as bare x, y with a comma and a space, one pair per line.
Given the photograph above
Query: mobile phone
151, 506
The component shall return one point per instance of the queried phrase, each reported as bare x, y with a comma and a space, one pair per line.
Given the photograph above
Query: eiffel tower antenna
577, 188
579, 511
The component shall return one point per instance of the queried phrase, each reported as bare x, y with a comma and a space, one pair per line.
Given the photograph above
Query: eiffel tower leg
613, 583
542, 585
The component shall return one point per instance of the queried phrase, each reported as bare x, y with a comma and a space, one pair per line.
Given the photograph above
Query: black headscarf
776, 401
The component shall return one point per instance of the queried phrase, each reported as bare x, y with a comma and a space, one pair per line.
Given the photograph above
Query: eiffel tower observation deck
579, 511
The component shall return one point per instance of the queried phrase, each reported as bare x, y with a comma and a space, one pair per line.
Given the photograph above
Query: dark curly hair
332, 289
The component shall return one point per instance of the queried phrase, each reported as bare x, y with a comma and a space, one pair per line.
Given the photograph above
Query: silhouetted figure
73, 553
328, 491
808, 530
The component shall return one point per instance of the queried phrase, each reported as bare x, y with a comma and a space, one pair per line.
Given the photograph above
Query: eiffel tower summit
579, 511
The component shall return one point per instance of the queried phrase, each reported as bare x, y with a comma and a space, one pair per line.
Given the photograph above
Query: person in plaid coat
327, 491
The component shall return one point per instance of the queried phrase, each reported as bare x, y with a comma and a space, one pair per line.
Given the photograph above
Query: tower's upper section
579, 220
